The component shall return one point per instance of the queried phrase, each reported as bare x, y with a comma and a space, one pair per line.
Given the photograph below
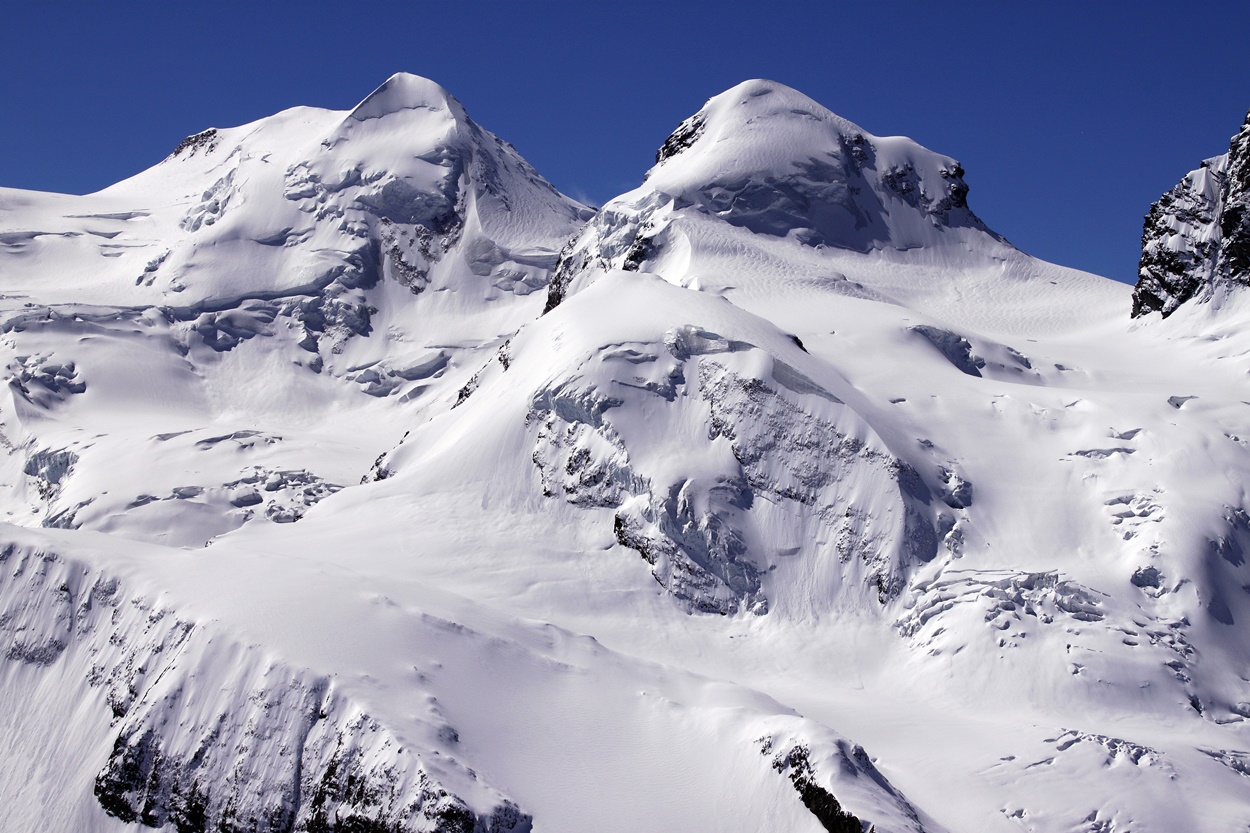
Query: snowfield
354, 479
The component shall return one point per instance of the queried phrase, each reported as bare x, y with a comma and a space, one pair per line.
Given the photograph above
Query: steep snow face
1196, 238
1067, 569
956, 443
208, 733
163, 711
231, 318
707, 441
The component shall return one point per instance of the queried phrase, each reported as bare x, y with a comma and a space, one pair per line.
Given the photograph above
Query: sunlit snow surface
805, 484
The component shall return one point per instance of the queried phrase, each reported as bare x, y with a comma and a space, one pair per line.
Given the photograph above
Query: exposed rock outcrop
1197, 236
213, 734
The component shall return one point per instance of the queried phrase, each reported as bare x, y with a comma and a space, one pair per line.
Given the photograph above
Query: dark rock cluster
1197, 236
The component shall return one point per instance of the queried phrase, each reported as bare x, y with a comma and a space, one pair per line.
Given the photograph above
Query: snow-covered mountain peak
752, 106
405, 91
766, 157
766, 167
394, 183
376, 255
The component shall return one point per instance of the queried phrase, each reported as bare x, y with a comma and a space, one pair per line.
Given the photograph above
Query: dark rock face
1234, 261
1197, 236
191, 144
819, 801
1180, 243
686, 134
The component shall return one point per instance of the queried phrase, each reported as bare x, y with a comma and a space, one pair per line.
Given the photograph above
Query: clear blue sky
1070, 118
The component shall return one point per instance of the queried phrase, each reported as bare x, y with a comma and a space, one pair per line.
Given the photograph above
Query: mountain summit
405, 91
766, 157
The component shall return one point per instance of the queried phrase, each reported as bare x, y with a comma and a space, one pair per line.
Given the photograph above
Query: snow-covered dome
766, 157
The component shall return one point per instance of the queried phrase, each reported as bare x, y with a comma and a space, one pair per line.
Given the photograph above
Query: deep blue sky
1070, 118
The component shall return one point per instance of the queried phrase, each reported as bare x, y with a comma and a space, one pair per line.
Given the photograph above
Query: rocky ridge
1196, 238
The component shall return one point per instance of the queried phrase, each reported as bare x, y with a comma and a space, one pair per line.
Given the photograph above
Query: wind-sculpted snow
44, 383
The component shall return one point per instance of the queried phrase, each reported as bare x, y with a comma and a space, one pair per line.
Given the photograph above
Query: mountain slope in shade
781, 492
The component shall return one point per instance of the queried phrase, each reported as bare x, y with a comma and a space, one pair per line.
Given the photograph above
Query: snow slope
399, 493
